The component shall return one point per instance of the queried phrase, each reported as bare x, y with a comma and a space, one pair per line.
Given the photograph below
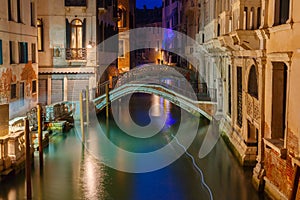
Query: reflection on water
70, 172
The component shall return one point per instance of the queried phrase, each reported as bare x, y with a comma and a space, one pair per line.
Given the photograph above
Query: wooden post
28, 162
81, 115
40, 134
107, 100
87, 105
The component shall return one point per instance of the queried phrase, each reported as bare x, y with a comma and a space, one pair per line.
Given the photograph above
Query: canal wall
245, 154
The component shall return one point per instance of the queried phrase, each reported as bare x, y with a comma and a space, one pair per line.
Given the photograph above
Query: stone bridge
163, 81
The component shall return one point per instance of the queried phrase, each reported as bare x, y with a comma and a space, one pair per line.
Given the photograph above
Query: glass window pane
73, 38
40, 39
79, 37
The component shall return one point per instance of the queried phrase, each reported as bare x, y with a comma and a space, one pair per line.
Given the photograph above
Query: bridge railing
161, 75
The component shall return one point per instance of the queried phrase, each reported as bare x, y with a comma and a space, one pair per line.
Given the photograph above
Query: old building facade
126, 21
67, 50
151, 37
18, 56
171, 19
251, 58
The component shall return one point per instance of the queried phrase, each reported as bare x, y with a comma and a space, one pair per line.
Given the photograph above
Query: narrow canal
73, 172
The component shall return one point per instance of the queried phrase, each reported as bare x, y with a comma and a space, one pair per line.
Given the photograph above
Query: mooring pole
40, 134
87, 105
107, 100
81, 115
28, 162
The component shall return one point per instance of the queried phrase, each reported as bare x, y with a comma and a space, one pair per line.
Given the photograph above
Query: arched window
76, 34
252, 83
40, 35
75, 39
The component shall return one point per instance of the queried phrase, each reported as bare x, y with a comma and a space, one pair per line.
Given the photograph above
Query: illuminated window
121, 18
76, 34
75, 39
40, 35
121, 49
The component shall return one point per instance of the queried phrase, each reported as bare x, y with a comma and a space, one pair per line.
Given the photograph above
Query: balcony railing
253, 110
76, 54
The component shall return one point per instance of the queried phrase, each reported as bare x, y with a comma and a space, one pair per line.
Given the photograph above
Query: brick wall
292, 143
279, 171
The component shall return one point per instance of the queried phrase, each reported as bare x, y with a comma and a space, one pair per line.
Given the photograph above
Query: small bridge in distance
164, 81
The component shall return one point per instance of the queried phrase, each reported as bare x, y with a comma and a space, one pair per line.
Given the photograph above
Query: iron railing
75, 53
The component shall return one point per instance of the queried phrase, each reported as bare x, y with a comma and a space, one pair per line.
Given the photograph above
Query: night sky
148, 3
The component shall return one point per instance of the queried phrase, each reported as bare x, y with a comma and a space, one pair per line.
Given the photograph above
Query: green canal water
73, 172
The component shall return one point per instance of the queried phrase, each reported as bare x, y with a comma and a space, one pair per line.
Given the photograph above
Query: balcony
76, 54
253, 109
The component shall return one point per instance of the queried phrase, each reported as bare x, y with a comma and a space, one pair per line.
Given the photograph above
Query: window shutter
84, 33
68, 34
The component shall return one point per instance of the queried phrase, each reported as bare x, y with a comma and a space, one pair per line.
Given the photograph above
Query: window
175, 17
252, 19
1, 57
32, 13
75, 2
229, 90
245, 18
23, 52
219, 30
19, 11
9, 10
122, 18
121, 53
279, 92
258, 17
239, 97
40, 35
282, 11
167, 2
13, 91
252, 83
12, 52
33, 53
33, 88
76, 34
22, 94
